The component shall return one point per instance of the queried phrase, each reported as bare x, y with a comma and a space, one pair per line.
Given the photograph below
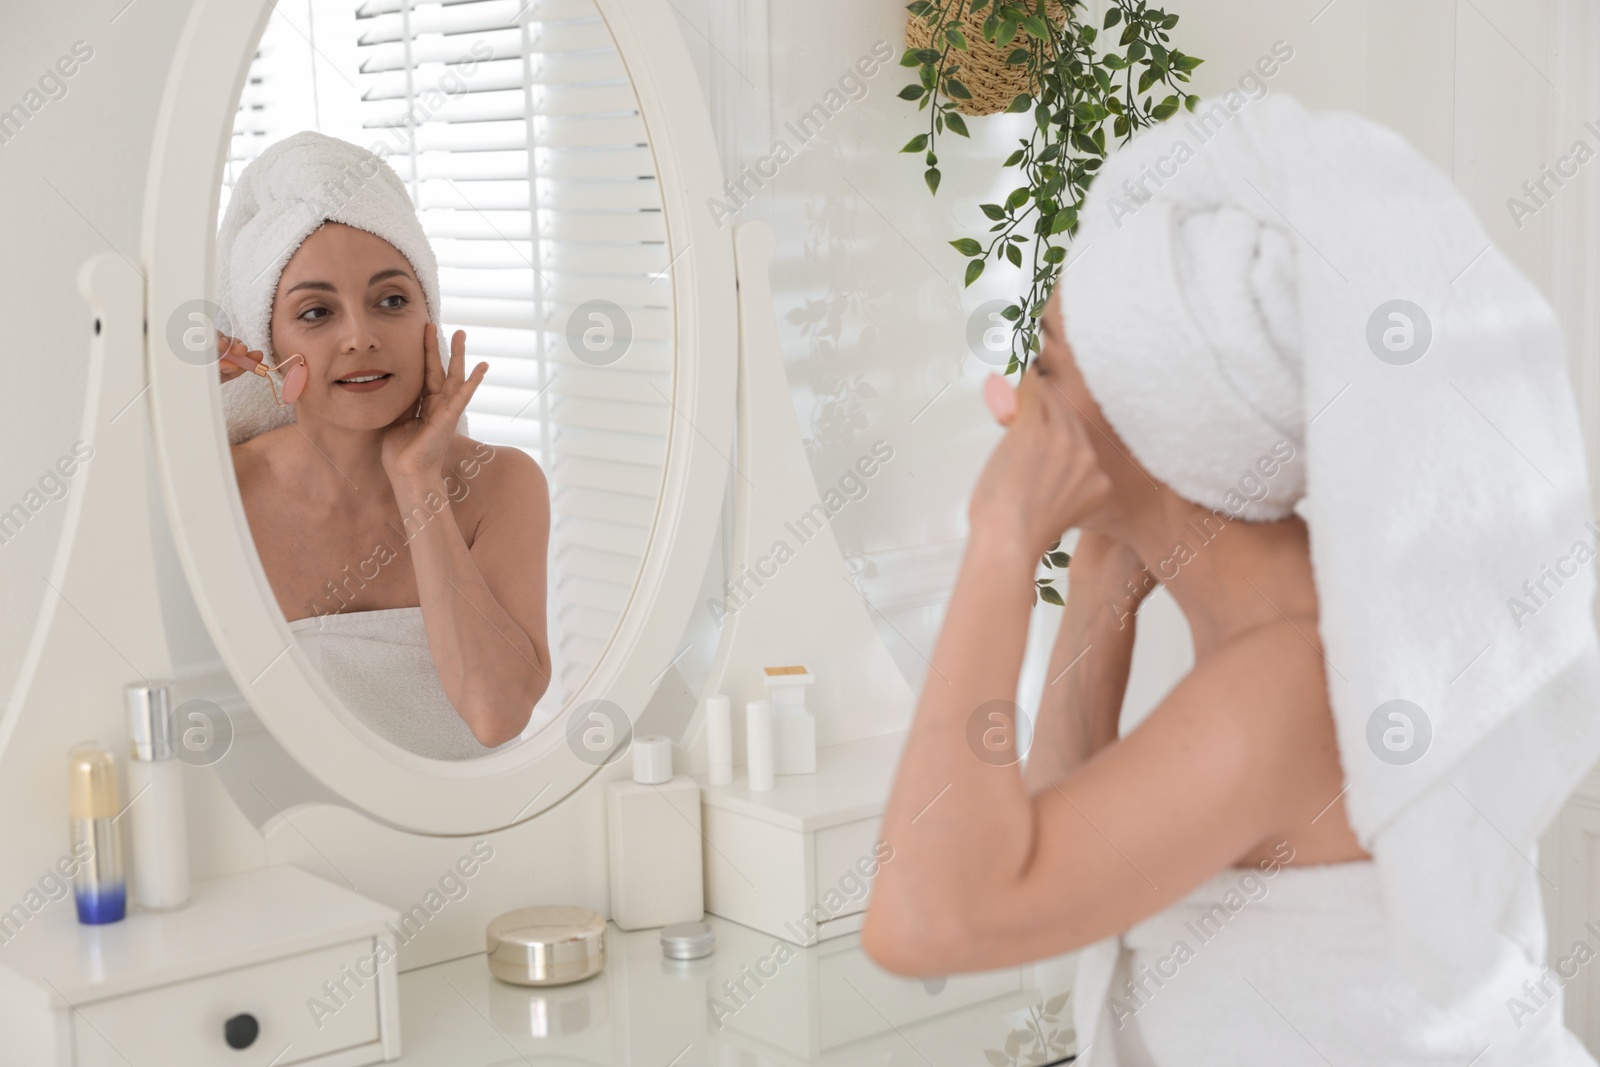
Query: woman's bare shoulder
1272, 679
1259, 705
249, 458
500, 479
1253, 711
492, 465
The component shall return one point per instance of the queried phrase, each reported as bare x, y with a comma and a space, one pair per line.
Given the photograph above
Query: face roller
293, 374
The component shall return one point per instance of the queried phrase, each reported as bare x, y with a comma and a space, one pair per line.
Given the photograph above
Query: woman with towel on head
1291, 379
408, 558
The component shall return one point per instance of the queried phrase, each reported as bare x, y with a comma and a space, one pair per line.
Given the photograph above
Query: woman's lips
364, 387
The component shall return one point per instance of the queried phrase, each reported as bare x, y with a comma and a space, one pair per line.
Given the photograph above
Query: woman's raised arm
983, 874
483, 606
1081, 700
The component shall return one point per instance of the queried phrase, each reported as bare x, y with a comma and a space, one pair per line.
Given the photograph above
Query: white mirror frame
206, 514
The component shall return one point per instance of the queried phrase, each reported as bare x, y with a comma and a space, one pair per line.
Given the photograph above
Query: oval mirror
553, 154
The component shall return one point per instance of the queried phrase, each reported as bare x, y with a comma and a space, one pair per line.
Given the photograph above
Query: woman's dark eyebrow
374, 280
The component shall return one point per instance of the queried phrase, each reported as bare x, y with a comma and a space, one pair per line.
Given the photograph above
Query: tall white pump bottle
157, 826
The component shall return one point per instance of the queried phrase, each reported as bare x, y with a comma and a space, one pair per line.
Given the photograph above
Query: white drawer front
858, 999
181, 1025
839, 888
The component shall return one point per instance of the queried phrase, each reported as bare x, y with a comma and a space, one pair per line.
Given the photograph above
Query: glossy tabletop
755, 1002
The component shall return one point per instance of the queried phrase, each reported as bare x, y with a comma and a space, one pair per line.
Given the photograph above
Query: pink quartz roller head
293, 372
1002, 399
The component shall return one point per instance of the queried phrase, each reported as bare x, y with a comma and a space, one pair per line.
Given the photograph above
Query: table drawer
182, 1024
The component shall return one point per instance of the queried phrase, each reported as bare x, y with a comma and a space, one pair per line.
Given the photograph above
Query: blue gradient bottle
100, 887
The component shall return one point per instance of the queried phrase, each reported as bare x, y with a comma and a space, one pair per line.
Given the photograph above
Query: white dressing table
828, 1004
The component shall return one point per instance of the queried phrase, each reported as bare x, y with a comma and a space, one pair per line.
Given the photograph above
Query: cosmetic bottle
794, 728
719, 740
157, 826
758, 754
99, 887
653, 826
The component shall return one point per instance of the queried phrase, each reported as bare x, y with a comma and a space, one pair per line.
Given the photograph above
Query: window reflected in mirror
455, 582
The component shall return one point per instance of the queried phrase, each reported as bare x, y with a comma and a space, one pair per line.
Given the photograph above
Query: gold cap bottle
100, 887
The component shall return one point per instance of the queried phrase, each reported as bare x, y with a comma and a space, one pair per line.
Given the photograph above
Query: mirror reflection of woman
371, 508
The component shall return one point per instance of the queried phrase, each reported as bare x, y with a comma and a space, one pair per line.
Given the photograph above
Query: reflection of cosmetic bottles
653, 823
159, 832
99, 887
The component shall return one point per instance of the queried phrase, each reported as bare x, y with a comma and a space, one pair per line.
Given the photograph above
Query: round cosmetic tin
548, 945
687, 941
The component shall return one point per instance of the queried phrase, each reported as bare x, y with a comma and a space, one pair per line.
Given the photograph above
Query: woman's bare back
1289, 657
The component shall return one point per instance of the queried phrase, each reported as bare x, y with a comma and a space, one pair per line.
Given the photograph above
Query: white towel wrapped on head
280, 199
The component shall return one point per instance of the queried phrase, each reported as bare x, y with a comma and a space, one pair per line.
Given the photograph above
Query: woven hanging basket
983, 71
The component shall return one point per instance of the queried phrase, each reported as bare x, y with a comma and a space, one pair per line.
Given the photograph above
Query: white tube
758, 745
719, 739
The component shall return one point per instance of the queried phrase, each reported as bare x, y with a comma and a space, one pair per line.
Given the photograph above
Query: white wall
71, 185
870, 306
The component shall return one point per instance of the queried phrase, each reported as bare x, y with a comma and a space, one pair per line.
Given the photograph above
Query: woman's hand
415, 444
234, 357
1043, 476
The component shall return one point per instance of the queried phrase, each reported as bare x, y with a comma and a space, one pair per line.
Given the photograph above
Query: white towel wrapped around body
280, 199
1250, 281
1286, 967
380, 664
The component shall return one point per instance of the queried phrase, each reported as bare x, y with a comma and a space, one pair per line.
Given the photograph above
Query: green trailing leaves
1089, 86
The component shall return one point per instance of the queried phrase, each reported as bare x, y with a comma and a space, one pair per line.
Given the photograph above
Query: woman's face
350, 304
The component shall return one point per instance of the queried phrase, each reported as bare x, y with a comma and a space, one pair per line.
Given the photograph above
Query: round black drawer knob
241, 1031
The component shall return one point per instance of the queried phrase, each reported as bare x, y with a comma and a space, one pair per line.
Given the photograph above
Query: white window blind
517, 133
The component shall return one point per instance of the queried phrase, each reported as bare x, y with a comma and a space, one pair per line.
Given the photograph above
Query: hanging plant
979, 57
